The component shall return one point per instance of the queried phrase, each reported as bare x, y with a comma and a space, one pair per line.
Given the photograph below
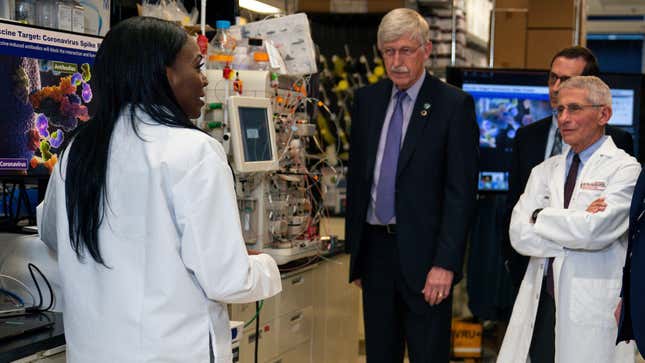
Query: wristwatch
535, 214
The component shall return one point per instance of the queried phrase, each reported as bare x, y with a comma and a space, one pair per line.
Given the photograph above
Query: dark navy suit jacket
632, 318
436, 179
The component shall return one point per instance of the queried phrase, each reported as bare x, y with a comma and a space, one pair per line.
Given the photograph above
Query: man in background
541, 140
630, 312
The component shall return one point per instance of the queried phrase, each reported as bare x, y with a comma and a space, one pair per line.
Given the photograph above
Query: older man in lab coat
571, 220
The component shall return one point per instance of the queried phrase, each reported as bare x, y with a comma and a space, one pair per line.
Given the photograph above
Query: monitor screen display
507, 99
502, 109
46, 92
255, 134
493, 181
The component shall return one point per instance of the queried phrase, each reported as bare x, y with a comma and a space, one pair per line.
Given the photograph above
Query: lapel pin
426, 106
424, 113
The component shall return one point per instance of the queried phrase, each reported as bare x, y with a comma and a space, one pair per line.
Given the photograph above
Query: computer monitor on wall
506, 99
252, 134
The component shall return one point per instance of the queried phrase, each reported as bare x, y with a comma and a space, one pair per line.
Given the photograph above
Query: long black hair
129, 74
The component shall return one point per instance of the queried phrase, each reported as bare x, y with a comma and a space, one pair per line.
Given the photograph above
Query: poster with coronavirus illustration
46, 92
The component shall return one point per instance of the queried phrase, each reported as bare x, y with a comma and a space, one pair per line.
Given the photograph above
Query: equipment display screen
255, 134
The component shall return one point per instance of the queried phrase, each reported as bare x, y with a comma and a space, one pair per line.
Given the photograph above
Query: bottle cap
261, 56
256, 42
222, 24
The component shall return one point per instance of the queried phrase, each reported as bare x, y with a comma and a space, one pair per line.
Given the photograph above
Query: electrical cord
257, 329
13, 296
33, 267
21, 284
255, 316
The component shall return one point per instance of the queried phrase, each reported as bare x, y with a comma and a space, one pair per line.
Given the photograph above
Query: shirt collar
586, 154
414, 90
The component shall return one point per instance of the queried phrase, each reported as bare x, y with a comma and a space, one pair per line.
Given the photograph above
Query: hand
252, 252
597, 205
619, 307
358, 283
438, 284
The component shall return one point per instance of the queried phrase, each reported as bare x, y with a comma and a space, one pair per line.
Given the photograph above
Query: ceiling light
258, 7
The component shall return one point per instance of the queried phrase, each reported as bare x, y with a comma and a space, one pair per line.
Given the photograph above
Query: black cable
31, 267
40, 295
257, 329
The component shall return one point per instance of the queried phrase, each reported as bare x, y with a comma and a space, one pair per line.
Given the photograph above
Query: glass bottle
221, 47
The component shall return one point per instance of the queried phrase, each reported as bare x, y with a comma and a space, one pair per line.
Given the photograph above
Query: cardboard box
551, 14
510, 39
383, 6
542, 44
466, 338
314, 6
512, 4
349, 6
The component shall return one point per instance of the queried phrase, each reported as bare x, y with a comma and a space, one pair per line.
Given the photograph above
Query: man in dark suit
540, 140
630, 312
411, 192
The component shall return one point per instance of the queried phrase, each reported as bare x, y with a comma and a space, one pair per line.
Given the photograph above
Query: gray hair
400, 23
598, 93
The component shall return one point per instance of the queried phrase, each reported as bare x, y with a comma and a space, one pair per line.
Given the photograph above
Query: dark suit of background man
538, 141
411, 193
631, 309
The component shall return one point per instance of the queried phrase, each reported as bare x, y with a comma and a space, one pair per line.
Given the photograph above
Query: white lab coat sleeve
521, 231
46, 212
212, 246
581, 230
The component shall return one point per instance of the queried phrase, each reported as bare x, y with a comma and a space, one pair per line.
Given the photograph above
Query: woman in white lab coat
588, 251
142, 213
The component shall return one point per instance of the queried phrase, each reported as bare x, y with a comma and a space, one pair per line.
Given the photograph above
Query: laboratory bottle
241, 59
255, 46
261, 59
46, 13
221, 47
26, 11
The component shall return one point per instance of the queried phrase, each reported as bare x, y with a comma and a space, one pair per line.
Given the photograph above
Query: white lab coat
589, 253
172, 241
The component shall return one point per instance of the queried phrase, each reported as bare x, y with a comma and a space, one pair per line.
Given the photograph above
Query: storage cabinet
313, 319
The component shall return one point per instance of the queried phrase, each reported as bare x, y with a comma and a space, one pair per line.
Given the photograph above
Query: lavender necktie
387, 177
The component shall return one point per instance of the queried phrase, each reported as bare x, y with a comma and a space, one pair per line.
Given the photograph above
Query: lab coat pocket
592, 301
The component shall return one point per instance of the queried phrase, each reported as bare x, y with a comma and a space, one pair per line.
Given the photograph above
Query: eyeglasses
572, 109
554, 77
403, 51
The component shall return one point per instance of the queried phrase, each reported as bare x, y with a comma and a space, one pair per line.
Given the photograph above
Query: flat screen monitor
252, 134
507, 99
45, 93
